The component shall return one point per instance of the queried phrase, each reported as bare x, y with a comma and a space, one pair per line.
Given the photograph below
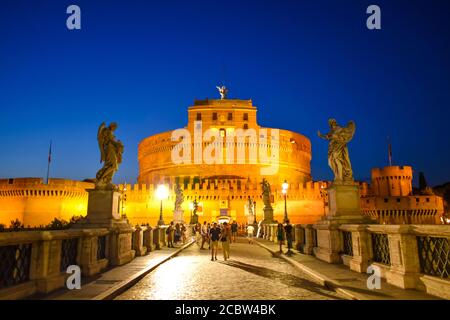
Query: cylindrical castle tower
285, 156
392, 181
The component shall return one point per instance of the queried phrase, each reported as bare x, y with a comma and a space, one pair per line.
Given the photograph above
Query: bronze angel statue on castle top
111, 151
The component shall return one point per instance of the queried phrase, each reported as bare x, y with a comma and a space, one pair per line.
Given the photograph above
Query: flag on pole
50, 152
49, 159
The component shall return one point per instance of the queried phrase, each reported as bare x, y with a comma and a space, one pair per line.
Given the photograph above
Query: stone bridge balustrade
138, 240
42, 258
148, 239
408, 256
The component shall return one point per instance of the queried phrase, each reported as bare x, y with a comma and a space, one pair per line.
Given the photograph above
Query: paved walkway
350, 283
250, 273
116, 279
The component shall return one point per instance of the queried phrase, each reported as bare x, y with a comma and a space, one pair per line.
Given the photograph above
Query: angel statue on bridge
338, 158
111, 151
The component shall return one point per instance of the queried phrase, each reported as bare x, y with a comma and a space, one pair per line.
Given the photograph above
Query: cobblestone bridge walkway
251, 273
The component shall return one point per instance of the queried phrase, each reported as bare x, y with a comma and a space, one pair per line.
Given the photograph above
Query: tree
422, 182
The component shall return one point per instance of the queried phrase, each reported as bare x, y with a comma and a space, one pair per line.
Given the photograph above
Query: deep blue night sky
142, 63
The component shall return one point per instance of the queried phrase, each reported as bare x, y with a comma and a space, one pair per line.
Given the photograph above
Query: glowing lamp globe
162, 192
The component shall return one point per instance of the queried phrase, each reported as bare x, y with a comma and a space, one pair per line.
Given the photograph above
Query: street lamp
162, 192
124, 198
284, 189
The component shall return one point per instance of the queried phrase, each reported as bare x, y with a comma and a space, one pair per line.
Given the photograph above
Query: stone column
103, 212
162, 237
405, 265
138, 244
344, 208
309, 243
89, 263
120, 251
45, 265
360, 246
156, 238
148, 239
299, 232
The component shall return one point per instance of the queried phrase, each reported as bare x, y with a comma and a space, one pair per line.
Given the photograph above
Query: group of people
224, 233
285, 233
176, 234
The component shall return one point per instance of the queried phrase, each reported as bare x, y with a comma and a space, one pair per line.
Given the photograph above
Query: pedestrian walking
225, 239
208, 228
214, 234
280, 235
288, 229
170, 233
177, 235
183, 233
198, 236
250, 232
204, 234
234, 231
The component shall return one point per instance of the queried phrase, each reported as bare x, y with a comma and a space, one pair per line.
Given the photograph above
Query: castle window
428, 199
230, 116
10, 181
222, 132
245, 116
245, 126
386, 200
398, 200
199, 116
214, 116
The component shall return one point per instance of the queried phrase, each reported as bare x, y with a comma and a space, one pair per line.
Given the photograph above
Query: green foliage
16, 225
56, 224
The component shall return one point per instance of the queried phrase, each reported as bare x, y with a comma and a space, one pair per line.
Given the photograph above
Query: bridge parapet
36, 261
408, 256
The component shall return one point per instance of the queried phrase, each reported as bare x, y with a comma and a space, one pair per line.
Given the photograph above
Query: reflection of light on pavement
171, 278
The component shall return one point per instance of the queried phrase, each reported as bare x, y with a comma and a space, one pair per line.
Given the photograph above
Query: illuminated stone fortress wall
226, 117
390, 199
36, 203
232, 182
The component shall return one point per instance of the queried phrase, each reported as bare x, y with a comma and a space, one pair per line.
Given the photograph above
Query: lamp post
284, 189
124, 198
162, 192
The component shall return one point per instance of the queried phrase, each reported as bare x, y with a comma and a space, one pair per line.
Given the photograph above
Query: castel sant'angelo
219, 160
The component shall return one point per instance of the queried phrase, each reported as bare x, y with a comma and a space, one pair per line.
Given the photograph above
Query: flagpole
389, 151
49, 160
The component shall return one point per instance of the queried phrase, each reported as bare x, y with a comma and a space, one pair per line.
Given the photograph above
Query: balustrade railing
15, 262
434, 256
101, 247
380, 247
347, 243
69, 253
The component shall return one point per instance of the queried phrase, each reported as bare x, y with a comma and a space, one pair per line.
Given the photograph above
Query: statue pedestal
178, 216
268, 215
344, 208
103, 212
